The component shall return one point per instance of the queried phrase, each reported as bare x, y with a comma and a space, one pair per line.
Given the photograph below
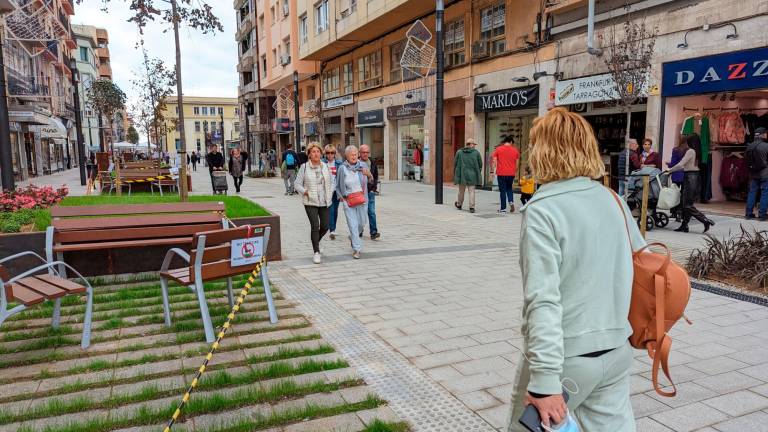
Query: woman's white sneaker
316, 258
333, 235
356, 254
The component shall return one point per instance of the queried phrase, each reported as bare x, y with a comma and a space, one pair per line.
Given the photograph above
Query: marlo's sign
508, 99
741, 70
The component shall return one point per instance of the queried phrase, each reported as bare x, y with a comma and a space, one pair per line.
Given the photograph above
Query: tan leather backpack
660, 292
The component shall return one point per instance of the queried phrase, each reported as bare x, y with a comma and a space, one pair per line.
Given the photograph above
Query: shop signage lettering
339, 101
509, 99
588, 89
741, 70
414, 109
370, 117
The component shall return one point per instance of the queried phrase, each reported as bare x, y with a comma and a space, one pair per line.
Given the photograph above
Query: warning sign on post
246, 251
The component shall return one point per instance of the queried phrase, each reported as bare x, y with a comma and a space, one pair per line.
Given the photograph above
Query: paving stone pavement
442, 289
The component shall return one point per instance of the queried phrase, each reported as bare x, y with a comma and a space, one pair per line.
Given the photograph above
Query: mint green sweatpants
602, 402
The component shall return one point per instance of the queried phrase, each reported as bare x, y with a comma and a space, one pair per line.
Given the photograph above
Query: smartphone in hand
531, 419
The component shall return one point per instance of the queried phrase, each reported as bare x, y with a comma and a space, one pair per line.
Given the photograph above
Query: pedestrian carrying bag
669, 195
355, 199
660, 292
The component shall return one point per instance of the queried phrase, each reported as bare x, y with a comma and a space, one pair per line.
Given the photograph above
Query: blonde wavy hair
314, 144
563, 146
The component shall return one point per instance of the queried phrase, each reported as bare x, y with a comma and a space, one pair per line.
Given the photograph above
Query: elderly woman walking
576, 264
314, 183
352, 189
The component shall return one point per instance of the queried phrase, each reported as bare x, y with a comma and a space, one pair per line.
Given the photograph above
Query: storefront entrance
409, 121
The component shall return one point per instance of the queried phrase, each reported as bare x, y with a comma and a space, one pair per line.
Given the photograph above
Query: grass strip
382, 426
234, 206
295, 415
220, 379
213, 403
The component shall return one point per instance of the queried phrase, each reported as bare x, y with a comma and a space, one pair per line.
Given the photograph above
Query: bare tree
628, 56
107, 98
195, 14
153, 86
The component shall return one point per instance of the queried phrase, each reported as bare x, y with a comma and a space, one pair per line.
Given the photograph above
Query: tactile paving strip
412, 395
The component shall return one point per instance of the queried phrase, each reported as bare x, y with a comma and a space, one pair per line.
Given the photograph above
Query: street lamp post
78, 120
439, 11
296, 124
6, 153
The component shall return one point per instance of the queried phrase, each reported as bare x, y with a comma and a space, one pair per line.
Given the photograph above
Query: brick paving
441, 288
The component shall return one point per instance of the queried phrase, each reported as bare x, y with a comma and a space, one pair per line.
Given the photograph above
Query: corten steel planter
118, 261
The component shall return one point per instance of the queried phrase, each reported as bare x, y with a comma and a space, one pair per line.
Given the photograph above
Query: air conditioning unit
285, 59
480, 49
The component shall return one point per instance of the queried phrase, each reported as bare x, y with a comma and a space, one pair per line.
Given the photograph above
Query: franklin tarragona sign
508, 99
741, 70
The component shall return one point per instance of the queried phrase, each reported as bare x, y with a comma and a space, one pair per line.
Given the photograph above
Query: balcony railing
19, 86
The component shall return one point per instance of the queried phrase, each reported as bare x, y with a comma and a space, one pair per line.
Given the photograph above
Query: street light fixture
6, 153
78, 119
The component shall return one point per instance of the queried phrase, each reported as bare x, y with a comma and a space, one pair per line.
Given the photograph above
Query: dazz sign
742, 70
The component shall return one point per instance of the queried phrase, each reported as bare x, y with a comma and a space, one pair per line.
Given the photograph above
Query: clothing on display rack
731, 128
734, 175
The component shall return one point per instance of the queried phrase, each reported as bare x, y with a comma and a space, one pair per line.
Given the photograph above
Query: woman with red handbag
352, 189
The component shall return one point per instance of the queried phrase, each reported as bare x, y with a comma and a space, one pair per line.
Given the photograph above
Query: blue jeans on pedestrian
505, 190
754, 185
334, 214
372, 213
356, 222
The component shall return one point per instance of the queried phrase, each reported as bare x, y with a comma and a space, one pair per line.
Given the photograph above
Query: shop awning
54, 129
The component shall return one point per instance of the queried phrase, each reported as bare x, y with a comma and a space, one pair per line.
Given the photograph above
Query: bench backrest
85, 224
213, 251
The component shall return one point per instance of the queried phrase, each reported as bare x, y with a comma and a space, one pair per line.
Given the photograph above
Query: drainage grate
730, 294
411, 393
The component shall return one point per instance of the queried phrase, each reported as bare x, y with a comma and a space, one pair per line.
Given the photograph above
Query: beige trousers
471, 189
602, 402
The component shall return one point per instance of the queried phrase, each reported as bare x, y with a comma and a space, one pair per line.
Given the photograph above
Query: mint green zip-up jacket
577, 276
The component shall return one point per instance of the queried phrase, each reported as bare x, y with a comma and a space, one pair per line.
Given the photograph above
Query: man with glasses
365, 156
333, 164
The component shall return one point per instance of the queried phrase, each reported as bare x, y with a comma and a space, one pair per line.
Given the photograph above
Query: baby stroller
655, 217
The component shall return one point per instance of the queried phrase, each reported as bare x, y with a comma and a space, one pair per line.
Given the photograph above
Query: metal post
296, 123
247, 137
644, 205
78, 123
6, 153
440, 10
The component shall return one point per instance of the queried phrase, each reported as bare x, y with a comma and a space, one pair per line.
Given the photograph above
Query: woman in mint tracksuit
577, 277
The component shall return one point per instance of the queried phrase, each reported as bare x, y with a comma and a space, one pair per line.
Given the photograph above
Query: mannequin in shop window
649, 157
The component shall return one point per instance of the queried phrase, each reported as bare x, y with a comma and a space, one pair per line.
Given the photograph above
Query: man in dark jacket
215, 161
373, 183
757, 160
467, 173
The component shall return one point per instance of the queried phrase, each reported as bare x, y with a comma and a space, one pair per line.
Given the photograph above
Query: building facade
208, 121
268, 38
507, 62
88, 66
36, 43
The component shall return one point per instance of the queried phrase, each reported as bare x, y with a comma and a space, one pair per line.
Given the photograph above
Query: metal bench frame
198, 289
5, 313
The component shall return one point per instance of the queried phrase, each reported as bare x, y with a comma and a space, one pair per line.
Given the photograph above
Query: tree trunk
180, 98
626, 149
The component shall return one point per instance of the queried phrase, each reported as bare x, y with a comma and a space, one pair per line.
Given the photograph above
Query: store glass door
410, 133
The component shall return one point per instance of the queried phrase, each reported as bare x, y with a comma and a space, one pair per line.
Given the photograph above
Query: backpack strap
663, 343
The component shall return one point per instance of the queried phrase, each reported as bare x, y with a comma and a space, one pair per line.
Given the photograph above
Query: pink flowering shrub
31, 197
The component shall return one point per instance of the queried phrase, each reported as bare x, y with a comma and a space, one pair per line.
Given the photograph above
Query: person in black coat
215, 162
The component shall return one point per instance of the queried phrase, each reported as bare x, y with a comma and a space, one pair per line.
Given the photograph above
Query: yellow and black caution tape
148, 179
240, 299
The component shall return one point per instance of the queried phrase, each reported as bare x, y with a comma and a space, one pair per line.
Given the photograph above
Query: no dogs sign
246, 251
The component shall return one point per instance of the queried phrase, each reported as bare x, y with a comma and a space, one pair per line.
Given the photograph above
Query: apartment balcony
247, 88
563, 6
246, 60
102, 52
23, 87
244, 26
332, 128
105, 71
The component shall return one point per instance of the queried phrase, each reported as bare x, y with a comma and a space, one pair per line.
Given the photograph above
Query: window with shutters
492, 27
347, 80
396, 72
369, 71
331, 83
454, 43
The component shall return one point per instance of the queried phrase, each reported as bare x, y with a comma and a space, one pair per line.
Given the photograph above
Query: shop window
454, 43
492, 27
346, 76
197, 144
321, 16
369, 71
213, 126
331, 83
396, 72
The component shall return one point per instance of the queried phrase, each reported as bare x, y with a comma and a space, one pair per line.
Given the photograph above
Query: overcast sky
208, 62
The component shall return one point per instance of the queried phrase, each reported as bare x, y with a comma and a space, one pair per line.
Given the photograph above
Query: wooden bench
30, 288
210, 258
83, 228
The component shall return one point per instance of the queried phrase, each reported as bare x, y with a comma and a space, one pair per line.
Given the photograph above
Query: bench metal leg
62, 269
86, 341
56, 313
230, 294
204, 314
268, 295
166, 303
